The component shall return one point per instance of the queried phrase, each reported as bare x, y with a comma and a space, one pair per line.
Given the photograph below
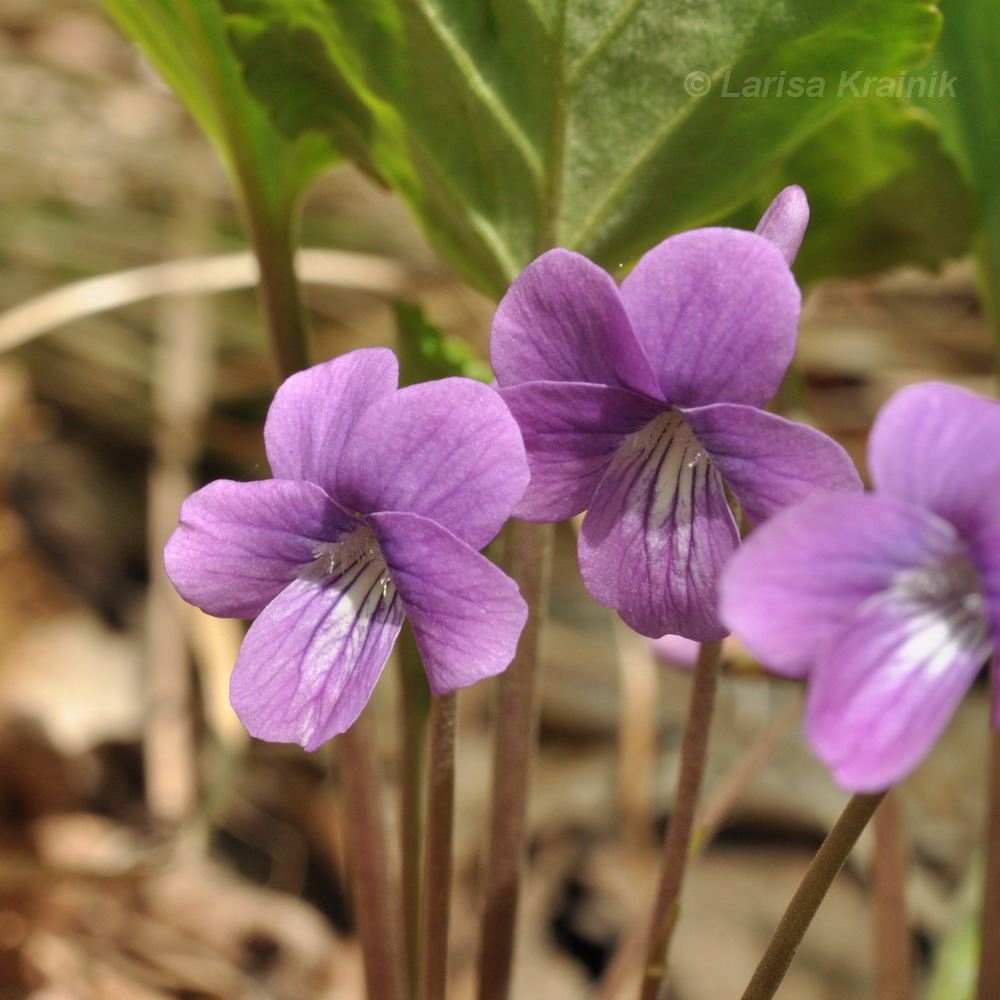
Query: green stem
694, 750
989, 952
271, 222
825, 866
378, 920
436, 908
273, 239
415, 713
530, 556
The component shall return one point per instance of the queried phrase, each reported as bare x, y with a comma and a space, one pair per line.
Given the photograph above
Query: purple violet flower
888, 603
380, 501
641, 404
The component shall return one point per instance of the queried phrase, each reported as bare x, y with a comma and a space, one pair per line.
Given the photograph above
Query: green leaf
882, 192
187, 42
426, 352
516, 125
963, 93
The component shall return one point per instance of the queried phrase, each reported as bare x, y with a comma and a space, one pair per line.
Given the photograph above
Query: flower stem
529, 549
825, 866
694, 749
415, 713
637, 736
378, 923
989, 953
433, 974
892, 935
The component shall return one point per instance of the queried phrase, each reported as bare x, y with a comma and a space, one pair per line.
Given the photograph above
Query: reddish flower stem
377, 916
414, 719
892, 933
436, 909
694, 749
529, 560
824, 869
989, 954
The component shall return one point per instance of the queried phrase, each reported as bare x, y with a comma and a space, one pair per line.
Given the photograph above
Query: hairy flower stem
989, 953
694, 749
434, 920
529, 557
377, 917
825, 866
415, 713
892, 934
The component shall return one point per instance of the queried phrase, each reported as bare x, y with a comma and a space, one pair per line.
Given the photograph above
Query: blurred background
148, 849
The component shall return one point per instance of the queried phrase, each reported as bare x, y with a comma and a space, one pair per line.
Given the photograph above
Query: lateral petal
936, 445
658, 533
314, 412
770, 462
571, 431
985, 553
466, 614
239, 545
449, 450
311, 659
716, 311
562, 321
886, 688
800, 576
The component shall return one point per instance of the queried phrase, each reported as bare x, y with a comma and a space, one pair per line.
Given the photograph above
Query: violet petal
240, 544
314, 412
784, 223
795, 581
571, 431
716, 311
562, 321
311, 659
449, 450
770, 462
466, 614
886, 688
658, 533
936, 445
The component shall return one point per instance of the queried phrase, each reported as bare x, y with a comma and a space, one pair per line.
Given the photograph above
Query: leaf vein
481, 87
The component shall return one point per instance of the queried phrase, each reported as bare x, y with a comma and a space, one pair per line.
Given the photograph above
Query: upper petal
571, 432
800, 576
658, 533
466, 614
883, 692
314, 412
449, 450
769, 462
311, 659
936, 445
716, 311
562, 321
784, 223
240, 544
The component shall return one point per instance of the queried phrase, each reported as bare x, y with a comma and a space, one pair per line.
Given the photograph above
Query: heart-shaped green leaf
882, 192
515, 125
187, 42
963, 93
